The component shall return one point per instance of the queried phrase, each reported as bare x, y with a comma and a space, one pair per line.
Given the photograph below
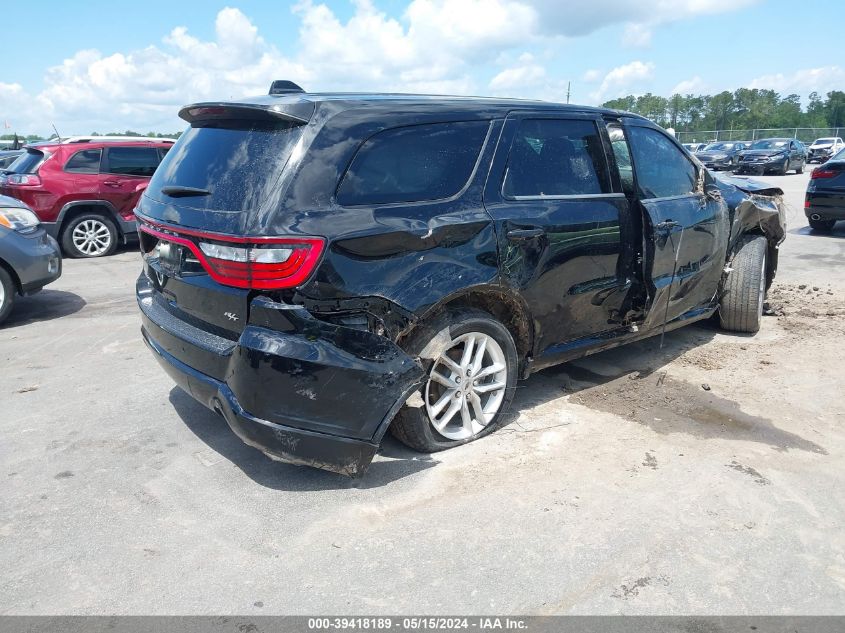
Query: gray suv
29, 258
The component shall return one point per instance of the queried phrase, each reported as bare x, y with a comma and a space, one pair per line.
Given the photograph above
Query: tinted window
556, 158
133, 161
87, 161
662, 168
27, 162
411, 164
239, 162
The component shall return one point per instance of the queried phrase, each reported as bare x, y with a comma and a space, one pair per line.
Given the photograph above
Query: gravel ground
704, 477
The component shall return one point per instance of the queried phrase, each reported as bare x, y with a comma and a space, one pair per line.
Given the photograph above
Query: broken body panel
314, 374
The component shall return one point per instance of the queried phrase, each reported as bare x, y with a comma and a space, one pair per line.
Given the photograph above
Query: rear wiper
184, 192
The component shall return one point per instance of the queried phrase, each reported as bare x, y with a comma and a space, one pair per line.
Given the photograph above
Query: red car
84, 191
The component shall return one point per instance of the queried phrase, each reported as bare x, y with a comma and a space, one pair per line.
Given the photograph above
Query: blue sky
111, 66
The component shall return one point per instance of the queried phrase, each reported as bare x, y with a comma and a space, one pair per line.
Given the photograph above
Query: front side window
663, 171
133, 161
555, 157
413, 164
85, 162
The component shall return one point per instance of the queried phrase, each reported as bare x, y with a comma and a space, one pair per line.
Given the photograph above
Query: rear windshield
27, 162
238, 162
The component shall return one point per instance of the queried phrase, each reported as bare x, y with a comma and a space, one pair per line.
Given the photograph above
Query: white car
823, 148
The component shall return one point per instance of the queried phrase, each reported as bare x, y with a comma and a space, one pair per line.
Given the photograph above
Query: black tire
72, 250
822, 226
8, 290
741, 303
800, 168
784, 168
412, 425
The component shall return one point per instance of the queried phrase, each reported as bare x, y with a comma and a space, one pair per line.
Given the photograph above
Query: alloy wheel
91, 237
466, 386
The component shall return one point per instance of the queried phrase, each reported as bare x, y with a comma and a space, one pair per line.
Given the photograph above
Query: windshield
824, 141
840, 155
770, 144
237, 162
27, 163
719, 147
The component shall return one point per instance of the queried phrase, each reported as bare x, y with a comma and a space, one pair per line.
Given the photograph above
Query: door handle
524, 234
111, 183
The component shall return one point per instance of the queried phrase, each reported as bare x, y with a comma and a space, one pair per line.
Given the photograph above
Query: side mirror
139, 188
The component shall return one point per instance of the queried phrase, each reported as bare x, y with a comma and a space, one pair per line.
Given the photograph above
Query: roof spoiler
284, 87
297, 113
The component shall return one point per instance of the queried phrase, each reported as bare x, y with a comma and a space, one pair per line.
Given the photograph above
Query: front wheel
741, 303
7, 294
89, 235
471, 365
800, 168
784, 168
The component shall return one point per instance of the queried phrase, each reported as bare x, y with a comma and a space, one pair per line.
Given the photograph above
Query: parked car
84, 191
29, 258
772, 155
824, 203
721, 155
822, 149
7, 157
389, 261
694, 147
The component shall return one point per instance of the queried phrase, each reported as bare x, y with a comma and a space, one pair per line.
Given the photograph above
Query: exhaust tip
815, 216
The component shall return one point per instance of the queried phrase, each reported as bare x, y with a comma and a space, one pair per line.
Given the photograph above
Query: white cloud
803, 82
527, 73
622, 80
637, 35
689, 86
582, 18
592, 76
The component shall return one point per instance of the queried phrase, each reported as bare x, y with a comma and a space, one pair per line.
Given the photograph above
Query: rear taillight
24, 180
259, 263
823, 173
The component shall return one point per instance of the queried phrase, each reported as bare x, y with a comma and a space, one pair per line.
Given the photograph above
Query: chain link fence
803, 134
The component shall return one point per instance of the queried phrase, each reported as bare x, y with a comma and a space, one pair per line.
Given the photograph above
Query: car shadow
838, 231
701, 414
43, 306
212, 429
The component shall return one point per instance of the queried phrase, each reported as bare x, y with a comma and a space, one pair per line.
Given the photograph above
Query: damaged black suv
320, 268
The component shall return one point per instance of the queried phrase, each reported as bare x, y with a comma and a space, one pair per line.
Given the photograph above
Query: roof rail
284, 87
113, 139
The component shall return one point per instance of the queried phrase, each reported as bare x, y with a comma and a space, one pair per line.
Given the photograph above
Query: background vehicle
824, 203
29, 258
7, 157
822, 149
721, 155
446, 248
772, 155
84, 192
694, 147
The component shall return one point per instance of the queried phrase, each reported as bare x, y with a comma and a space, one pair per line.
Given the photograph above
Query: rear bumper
300, 390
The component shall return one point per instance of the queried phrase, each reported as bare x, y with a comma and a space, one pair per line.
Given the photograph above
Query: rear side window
551, 157
663, 171
133, 161
413, 164
85, 162
238, 162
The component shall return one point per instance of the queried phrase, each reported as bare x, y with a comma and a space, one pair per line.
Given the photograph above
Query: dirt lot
705, 477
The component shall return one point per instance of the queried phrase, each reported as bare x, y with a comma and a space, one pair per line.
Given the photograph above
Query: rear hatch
198, 216
25, 164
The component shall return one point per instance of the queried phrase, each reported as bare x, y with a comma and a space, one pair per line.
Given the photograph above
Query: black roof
300, 102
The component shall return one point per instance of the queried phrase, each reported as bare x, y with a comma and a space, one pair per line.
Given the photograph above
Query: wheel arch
79, 207
14, 275
506, 307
